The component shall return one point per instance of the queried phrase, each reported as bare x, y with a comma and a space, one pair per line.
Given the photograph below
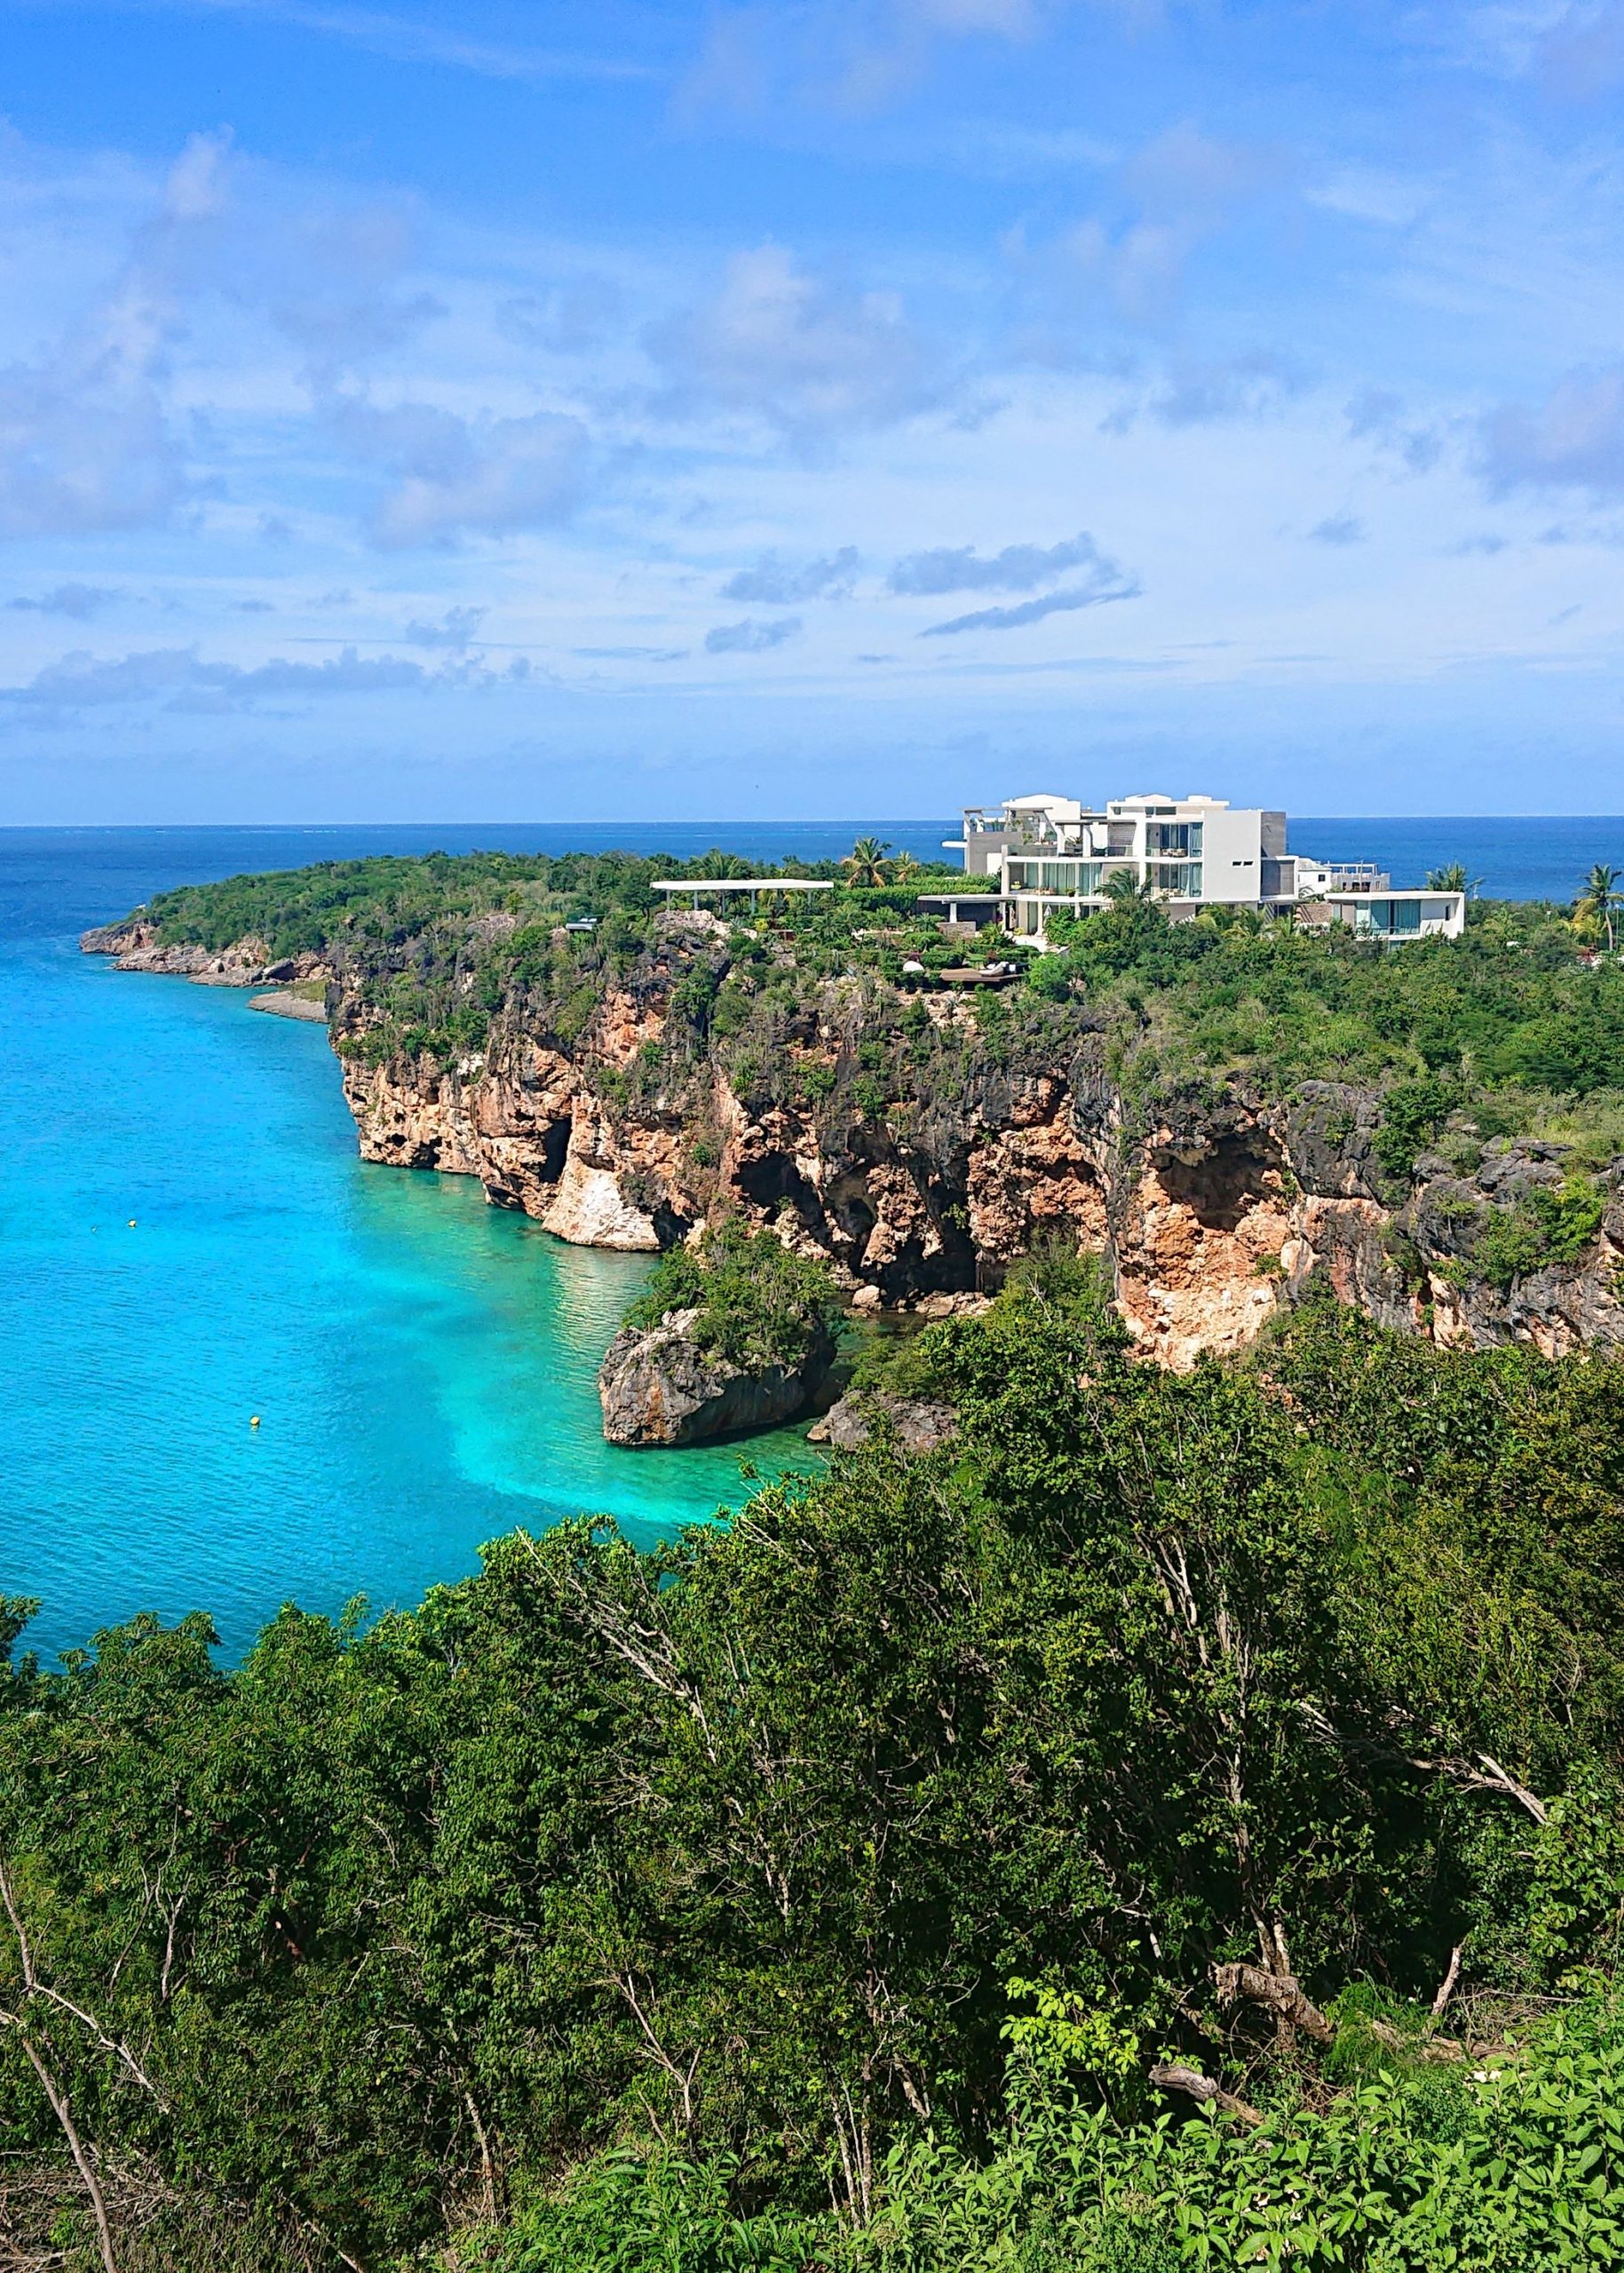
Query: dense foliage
830, 1889
756, 1304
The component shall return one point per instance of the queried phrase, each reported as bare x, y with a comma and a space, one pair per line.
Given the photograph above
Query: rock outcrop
918, 1424
657, 1386
1208, 1214
246, 963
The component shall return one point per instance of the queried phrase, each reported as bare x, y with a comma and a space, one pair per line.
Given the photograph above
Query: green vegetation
843, 1889
758, 1304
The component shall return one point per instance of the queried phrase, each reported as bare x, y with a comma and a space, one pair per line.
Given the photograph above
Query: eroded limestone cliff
1209, 1211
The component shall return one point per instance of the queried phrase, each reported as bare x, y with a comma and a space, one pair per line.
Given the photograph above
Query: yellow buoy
254, 1421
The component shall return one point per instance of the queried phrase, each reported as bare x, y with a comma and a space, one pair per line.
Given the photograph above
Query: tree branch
1172, 2077
1250, 1984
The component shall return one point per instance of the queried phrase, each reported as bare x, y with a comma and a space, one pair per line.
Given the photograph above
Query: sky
819, 409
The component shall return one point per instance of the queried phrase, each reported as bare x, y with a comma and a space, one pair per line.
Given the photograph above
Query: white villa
1193, 852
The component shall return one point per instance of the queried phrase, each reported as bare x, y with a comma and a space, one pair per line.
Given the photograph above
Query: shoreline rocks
292, 1006
657, 1386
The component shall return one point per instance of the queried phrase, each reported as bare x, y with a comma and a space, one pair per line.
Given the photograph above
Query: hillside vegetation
1177, 1824
1502, 1033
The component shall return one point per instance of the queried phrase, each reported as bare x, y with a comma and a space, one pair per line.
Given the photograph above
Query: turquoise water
424, 1365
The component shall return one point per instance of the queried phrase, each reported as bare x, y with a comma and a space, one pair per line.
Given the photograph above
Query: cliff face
1208, 1216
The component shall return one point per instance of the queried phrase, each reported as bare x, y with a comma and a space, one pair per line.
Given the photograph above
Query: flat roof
747, 883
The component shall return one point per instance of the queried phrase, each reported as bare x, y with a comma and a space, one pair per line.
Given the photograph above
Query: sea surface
187, 1238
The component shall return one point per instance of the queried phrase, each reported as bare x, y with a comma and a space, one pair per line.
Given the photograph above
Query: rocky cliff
1209, 1210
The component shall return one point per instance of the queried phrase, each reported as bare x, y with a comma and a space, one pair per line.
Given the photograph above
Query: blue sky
832, 408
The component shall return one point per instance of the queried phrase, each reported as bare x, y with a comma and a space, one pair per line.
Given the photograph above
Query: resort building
1048, 852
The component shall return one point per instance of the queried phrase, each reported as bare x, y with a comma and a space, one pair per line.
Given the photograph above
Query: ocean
190, 1240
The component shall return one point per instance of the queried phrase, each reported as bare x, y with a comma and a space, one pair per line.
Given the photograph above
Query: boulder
657, 1386
919, 1426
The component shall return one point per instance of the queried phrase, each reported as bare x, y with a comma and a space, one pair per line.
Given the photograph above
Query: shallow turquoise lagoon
423, 1364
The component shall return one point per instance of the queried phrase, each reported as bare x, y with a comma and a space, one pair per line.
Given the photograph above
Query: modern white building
1049, 852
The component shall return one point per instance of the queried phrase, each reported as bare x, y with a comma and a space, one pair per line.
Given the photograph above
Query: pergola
752, 884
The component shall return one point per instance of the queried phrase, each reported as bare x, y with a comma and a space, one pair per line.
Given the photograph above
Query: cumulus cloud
453, 477
84, 447
1338, 528
455, 629
1018, 568
80, 601
1245, 386
1012, 619
1574, 440
810, 355
180, 679
752, 636
85, 444
1178, 190
339, 293
773, 582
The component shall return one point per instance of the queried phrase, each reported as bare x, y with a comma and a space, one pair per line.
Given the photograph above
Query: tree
1124, 887
1453, 877
903, 868
865, 863
1599, 901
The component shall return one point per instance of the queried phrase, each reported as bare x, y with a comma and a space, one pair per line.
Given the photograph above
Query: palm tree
865, 863
1453, 878
1600, 900
903, 868
1127, 889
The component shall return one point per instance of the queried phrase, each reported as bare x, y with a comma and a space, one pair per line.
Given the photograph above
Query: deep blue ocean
189, 1239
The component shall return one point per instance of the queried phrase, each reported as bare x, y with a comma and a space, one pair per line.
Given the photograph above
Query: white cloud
1338, 528
85, 443
1018, 568
453, 477
773, 582
1574, 440
80, 601
750, 637
811, 356
1097, 593
181, 679
456, 631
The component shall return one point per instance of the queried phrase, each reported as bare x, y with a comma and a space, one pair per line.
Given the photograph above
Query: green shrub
1546, 1226
758, 1304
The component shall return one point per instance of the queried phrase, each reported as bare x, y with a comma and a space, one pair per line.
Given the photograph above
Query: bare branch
1447, 1986
1172, 2077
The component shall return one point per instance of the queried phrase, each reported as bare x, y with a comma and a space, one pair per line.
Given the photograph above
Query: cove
423, 1364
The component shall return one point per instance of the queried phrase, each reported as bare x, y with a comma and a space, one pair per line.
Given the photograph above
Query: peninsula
1226, 1099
